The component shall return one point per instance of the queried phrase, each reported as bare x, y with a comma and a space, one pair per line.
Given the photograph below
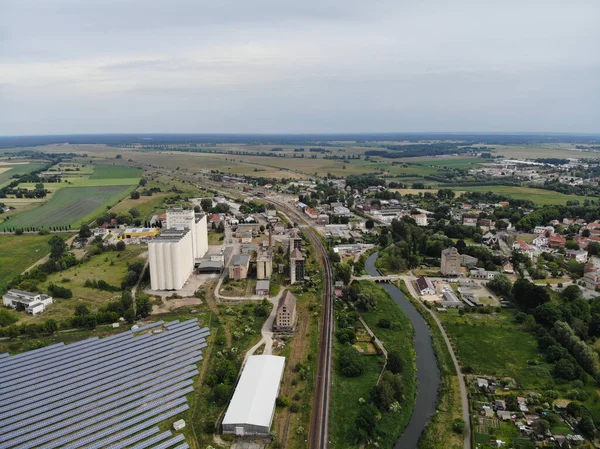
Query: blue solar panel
129, 441
130, 357
153, 440
147, 326
114, 393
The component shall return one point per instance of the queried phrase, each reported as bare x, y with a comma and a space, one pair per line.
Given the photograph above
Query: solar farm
101, 393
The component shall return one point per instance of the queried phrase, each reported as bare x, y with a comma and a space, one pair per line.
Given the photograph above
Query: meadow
495, 345
110, 267
19, 252
69, 206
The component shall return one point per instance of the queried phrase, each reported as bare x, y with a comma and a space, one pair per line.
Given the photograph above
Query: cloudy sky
100, 66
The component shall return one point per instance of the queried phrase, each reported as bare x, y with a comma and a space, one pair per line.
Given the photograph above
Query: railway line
319, 423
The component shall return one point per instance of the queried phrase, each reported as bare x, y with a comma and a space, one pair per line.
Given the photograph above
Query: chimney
271, 237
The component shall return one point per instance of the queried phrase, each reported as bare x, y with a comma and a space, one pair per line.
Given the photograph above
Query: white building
33, 303
171, 257
252, 406
420, 219
196, 223
543, 229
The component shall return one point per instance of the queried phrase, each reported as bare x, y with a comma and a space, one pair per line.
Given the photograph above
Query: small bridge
390, 278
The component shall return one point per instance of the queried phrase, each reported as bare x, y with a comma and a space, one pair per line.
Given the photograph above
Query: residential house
425, 286
580, 255
480, 273
543, 230
420, 219
469, 221
557, 240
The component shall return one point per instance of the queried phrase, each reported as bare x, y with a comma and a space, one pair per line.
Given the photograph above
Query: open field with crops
19, 252
10, 168
70, 206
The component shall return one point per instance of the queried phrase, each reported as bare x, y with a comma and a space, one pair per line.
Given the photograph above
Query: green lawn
346, 392
102, 171
538, 196
19, 252
69, 206
495, 345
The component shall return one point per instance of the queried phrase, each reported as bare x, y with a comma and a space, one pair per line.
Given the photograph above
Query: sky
310, 66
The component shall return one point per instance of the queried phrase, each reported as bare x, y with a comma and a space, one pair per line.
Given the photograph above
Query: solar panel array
101, 393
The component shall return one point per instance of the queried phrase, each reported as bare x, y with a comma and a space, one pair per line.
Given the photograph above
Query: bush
7, 317
458, 426
384, 323
282, 401
294, 408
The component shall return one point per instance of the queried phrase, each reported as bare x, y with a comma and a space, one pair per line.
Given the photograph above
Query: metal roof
253, 401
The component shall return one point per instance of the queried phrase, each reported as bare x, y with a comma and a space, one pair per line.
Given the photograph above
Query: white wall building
196, 223
33, 303
252, 406
171, 257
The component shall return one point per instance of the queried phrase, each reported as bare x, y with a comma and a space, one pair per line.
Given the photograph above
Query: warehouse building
171, 259
252, 406
138, 233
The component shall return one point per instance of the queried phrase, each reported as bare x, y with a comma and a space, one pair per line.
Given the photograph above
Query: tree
366, 420
135, 195
206, 204
350, 363
221, 394
564, 370
120, 246
143, 306
81, 310
84, 231
51, 326
221, 228
395, 363
382, 396
129, 316
369, 224
458, 426
7, 317
58, 247
501, 284
571, 293
528, 296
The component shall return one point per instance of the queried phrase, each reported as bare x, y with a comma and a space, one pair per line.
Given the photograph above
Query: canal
428, 376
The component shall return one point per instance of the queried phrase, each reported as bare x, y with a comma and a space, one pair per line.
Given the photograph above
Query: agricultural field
110, 267
69, 206
146, 205
19, 252
75, 200
538, 196
16, 167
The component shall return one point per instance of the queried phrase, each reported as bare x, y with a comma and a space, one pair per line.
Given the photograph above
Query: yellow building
138, 233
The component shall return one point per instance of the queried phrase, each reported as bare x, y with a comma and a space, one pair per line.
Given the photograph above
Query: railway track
319, 424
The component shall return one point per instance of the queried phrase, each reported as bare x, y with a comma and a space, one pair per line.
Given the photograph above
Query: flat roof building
252, 406
32, 303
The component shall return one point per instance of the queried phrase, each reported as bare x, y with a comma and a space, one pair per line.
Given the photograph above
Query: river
428, 376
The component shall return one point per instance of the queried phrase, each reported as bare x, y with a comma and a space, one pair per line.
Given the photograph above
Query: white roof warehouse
252, 407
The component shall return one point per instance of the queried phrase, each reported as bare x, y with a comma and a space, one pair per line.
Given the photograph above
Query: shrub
350, 363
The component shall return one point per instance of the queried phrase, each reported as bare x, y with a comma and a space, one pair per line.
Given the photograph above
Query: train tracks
319, 423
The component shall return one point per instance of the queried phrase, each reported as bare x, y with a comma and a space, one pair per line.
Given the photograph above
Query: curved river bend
428, 376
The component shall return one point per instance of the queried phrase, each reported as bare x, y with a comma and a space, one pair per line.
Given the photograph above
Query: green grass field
69, 206
19, 252
538, 196
83, 182
495, 345
450, 162
110, 267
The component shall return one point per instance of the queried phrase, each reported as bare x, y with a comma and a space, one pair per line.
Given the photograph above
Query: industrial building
238, 269
285, 318
171, 259
32, 303
173, 254
450, 262
296, 266
138, 233
252, 406
187, 219
113, 392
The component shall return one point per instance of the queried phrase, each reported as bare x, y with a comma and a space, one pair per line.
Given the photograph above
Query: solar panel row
101, 393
